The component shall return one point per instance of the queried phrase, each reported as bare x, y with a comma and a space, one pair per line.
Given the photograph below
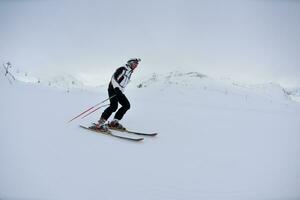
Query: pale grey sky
247, 40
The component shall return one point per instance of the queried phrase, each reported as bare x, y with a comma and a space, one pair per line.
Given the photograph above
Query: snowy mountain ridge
174, 79
63, 81
197, 81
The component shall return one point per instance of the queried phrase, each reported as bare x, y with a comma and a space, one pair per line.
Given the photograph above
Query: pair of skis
110, 133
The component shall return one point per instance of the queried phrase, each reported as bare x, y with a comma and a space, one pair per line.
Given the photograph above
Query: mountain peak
174, 77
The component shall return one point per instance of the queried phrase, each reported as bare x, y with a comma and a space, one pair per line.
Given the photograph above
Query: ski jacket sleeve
118, 77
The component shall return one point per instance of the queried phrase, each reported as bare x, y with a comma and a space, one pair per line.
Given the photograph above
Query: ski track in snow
215, 141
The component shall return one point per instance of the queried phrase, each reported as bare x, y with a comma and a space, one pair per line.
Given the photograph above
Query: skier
116, 87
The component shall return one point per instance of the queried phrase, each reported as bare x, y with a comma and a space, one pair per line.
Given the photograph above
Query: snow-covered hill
217, 140
63, 81
191, 80
199, 82
294, 93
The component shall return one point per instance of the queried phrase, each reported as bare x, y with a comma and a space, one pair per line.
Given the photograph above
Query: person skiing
117, 84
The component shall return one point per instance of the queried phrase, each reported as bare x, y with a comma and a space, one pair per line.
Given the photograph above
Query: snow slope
217, 140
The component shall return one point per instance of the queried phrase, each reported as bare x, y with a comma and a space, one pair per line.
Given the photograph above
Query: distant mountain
65, 81
198, 81
176, 77
294, 93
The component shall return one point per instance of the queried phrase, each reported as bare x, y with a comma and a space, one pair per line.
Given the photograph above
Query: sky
251, 41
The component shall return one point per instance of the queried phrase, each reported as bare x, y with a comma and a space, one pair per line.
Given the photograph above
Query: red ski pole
94, 111
91, 108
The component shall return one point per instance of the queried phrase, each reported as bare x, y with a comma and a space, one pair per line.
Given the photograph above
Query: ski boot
116, 125
101, 126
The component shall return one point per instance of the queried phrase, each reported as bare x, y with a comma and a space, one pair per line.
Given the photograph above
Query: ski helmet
134, 60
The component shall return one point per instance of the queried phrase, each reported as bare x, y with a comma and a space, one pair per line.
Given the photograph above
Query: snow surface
217, 140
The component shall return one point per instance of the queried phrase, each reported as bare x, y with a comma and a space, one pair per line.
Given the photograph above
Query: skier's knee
127, 106
114, 108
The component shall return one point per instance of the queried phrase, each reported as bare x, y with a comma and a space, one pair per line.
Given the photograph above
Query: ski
111, 134
133, 132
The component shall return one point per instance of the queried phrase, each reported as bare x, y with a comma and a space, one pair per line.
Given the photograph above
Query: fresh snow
218, 139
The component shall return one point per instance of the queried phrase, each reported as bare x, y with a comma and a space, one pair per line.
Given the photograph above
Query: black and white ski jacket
121, 77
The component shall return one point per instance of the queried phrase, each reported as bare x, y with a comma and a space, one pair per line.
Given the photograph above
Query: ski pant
119, 98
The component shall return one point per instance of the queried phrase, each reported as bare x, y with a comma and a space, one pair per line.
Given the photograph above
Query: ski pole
91, 108
94, 111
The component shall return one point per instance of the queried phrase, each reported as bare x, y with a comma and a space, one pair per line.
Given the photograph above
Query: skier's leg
125, 106
112, 107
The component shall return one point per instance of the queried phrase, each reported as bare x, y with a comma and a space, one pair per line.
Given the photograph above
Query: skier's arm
117, 78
